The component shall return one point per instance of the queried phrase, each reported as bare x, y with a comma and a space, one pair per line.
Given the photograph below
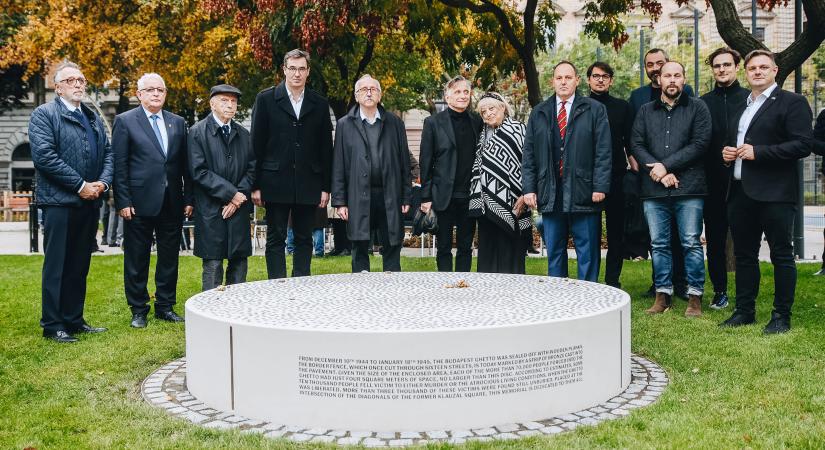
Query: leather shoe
169, 316
61, 337
738, 319
86, 328
138, 321
779, 323
820, 273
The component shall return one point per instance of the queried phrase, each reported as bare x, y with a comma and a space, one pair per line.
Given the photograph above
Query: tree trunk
531, 76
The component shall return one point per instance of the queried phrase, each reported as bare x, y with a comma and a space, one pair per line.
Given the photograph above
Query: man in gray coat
222, 165
371, 176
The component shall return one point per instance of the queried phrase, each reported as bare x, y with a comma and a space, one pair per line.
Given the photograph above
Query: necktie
155, 127
562, 121
225, 131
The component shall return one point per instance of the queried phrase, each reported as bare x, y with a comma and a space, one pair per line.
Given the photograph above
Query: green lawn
729, 388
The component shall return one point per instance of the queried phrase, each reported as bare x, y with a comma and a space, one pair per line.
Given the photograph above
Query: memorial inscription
438, 378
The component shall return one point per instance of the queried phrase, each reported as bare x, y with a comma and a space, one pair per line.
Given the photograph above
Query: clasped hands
230, 208
744, 151
659, 174
92, 190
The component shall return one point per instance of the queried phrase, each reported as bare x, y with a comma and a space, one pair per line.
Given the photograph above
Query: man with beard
620, 118
724, 101
670, 137
655, 58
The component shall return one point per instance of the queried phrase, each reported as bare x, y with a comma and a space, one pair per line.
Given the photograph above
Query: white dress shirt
218, 121
161, 125
568, 103
296, 102
753, 105
366, 119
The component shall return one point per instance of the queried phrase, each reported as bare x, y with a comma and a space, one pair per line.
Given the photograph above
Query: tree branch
731, 29
487, 7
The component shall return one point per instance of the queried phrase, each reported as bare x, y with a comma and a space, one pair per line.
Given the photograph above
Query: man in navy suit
152, 194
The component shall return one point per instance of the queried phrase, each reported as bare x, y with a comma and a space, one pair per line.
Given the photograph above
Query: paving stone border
166, 388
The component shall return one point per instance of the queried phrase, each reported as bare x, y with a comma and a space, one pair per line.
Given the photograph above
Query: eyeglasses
74, 81
300, 70
726, 65
600, 77
155, 90
365, 90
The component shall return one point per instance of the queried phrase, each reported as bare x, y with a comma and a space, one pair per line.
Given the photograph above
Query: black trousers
361, 250
303, 221
456, 215
716, 235
137, 249
750, 218
339, 231
614, 211
499, 250
212, 276
69, 235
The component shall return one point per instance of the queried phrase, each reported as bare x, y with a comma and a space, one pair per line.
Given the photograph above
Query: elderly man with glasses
73, 160
153, 192
292, 141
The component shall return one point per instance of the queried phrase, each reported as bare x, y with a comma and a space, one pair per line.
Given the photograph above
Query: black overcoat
351, 173
219, 170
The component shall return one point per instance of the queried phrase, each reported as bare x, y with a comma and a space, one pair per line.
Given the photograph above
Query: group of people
727, 159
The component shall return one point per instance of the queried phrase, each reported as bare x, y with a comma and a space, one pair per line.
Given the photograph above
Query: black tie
225, 131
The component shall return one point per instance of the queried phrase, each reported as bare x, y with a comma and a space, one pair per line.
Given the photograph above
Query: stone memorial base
406, 352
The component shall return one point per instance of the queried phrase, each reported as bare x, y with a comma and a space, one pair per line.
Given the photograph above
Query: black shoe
86, 328
335, 252
779, 323
347, 252
720, 301
114, 244
169, 316
533, 251
61, 337
738, 319
820, 273
98, 249
138, 321
650, 292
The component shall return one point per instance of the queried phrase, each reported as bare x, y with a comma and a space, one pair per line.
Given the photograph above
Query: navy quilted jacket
61, 154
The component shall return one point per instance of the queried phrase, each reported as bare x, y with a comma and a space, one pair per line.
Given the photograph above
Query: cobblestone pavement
166, 388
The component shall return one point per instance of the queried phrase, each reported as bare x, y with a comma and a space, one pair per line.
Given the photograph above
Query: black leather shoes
779, 323
169, 316
61, 337
138, 321
738, 319
86, 328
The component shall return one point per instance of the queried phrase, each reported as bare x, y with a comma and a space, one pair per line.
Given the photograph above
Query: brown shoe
660, 305
694, 308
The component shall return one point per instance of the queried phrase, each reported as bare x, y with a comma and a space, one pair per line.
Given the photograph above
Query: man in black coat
153, 193
292, 141
566, 171
620, 117
73, 160
222, 167
371, 186
448, 146
764, 144
724, 102
819, 149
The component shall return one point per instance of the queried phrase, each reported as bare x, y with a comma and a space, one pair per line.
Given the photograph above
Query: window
760, 33
684, 35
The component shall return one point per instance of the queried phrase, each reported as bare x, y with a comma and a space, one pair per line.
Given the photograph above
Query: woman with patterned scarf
495, 189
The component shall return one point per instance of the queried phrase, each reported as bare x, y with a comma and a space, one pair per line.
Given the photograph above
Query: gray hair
366, 76
455, 80
64, 65
494, 98
296, 53
146, 76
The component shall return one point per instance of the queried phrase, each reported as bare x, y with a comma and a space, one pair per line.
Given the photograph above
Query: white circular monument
408, 351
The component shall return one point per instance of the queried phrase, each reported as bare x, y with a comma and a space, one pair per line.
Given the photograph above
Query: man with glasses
73, 160
620, 118
772, 133
448, 148
292, 141
724, 102
153, 193
371, 186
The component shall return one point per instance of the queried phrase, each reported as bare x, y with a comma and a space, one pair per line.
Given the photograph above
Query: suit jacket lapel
147, 127
447, 125
356, 120
307, 106
764, 107
171, 132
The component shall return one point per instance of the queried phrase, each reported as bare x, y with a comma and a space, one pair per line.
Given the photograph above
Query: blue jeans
586, 229
317, 241
687, 212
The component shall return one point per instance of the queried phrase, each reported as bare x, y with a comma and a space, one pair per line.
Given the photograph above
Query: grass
729, 388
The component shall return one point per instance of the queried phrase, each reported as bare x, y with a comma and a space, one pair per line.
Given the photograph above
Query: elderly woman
495, 189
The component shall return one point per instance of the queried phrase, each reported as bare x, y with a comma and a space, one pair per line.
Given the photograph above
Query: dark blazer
780, 133
142, 172
819, 136
220, 169
587, 155
438, 156
61, 154
351, 173
293, 154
